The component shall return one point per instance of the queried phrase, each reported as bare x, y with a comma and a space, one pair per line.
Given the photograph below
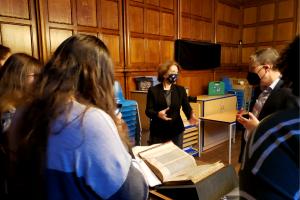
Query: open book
171, 164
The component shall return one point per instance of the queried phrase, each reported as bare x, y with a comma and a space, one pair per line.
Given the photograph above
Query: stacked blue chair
239, 93
227, 84
130, 114
240, 98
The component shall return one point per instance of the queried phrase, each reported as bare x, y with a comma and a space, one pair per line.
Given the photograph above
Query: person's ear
268, 66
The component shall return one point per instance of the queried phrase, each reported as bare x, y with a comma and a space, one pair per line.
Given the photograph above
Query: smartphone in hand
118, 110
245, 115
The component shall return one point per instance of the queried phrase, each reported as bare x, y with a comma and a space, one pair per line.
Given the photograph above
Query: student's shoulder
94, 113
278, 119
285, 90
286, 94
91, 114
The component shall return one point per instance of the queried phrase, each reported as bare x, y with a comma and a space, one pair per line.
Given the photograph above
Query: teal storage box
216, 88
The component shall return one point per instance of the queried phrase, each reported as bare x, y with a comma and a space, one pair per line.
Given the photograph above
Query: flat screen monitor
193, 55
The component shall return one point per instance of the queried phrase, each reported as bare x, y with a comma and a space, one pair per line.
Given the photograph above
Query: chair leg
138, 135
234, 133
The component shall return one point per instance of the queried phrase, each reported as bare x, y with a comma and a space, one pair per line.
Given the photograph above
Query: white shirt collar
272, 86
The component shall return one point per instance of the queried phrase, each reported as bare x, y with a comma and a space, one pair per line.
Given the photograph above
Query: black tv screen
192, 55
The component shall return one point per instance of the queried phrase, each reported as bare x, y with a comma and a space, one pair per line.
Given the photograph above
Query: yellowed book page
182, 175
151, 178
195, 173
138, 149
202, 171
168, 159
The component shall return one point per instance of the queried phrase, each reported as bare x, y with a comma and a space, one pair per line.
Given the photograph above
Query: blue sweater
87, 160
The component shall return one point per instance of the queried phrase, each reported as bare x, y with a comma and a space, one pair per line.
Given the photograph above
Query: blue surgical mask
172, 78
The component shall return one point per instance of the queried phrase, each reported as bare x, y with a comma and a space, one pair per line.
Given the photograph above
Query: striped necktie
260, 101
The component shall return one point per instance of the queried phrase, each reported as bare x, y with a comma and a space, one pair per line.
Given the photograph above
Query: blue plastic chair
130, 114
227, 84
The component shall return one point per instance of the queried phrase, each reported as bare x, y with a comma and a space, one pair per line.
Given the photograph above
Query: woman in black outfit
163, 106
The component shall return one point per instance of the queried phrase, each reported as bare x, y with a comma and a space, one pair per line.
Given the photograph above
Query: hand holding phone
245, 115
118, 109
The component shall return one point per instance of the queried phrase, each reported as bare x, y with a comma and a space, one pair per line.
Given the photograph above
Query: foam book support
212, 187
164, 167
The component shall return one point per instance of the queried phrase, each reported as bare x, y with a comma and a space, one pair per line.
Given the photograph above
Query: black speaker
193, 55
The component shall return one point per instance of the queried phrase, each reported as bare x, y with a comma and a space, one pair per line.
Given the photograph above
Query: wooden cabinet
209, 105
215, 133
141, 98
191, 135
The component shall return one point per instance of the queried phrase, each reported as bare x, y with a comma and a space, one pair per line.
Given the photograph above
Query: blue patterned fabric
270, 169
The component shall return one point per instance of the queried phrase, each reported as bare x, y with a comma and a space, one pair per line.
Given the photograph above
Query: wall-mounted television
193, 55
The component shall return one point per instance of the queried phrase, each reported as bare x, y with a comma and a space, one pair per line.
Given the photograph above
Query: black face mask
253, 78
172, 78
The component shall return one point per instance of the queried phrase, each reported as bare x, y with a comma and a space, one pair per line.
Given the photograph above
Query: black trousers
176, 139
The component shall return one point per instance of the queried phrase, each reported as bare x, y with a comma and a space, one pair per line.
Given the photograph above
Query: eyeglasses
32, 74
259, 67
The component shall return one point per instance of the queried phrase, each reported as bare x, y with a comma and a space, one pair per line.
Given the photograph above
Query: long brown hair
80, 68
4, 53
13, 79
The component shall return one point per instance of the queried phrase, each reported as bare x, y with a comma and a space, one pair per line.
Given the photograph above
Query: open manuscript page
150, 177
168, 161
171, 164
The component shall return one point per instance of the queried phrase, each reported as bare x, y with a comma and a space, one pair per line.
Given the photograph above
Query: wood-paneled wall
270, 23
18, 26
151, 28
102, 18
140, 34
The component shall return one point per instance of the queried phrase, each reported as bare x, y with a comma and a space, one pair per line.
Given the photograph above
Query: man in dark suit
264, 73
270, 169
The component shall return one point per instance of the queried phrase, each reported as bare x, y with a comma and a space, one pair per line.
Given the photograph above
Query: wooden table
228, 118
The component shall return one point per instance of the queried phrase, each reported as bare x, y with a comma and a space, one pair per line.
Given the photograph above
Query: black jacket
280, 98
157, 102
